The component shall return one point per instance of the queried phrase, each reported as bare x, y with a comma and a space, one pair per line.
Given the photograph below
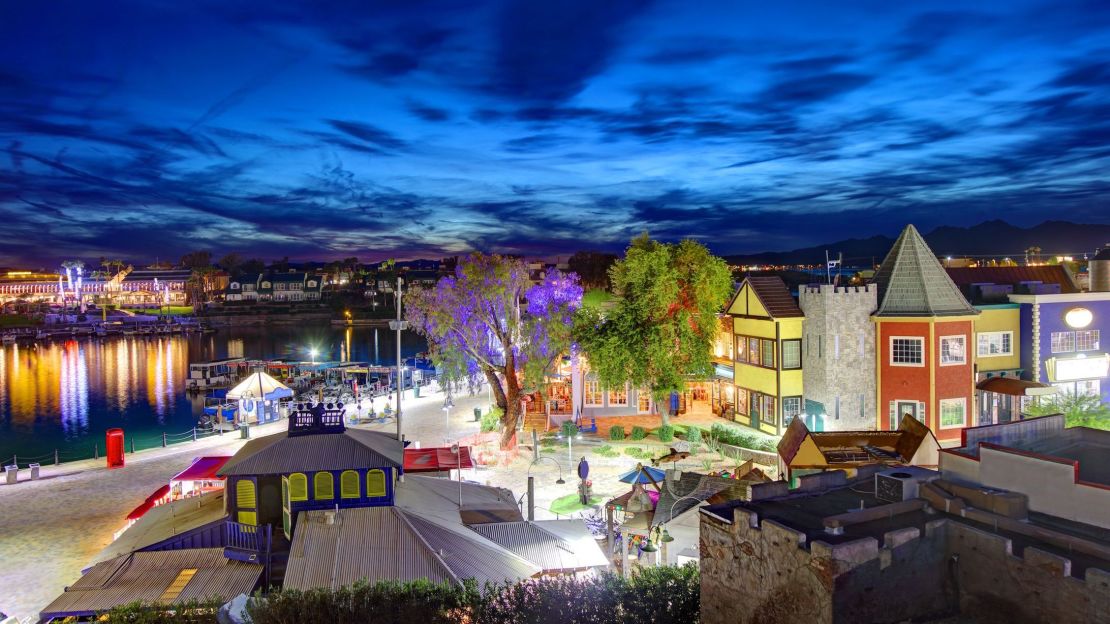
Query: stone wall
838, 353
765, 572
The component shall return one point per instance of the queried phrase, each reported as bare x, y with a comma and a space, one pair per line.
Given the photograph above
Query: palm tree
1032, 252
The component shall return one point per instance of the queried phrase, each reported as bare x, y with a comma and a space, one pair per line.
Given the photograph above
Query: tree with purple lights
489, 320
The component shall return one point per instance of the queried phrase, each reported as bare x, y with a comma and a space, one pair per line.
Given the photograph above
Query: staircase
534, 421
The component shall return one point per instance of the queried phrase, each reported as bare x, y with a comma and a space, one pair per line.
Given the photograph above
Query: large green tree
1079, 410
662, 328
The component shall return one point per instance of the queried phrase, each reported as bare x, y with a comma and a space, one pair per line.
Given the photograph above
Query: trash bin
477, 414
34, 471
416, 391
12, 473
244, 430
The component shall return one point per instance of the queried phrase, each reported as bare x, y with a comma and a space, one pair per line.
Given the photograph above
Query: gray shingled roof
280, 453
912, 282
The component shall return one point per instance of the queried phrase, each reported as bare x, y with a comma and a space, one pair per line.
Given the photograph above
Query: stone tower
838, 354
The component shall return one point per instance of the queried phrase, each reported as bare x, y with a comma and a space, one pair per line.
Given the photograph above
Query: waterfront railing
134, 444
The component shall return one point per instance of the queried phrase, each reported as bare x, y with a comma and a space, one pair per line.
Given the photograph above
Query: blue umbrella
639, 476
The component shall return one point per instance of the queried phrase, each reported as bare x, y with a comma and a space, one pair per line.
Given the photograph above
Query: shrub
569, 429
638, 433
616, 432
491, 420
606, 451
666, 433
191, 612
634, 451
693, 435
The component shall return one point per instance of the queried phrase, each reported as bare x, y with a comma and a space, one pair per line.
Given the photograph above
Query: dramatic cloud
404, 129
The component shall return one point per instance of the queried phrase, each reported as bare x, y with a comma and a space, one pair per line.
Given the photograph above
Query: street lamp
570, 444
447, 405
531, 494
312, 353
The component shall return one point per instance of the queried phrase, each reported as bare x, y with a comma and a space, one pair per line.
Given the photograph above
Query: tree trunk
495, 388
512, 409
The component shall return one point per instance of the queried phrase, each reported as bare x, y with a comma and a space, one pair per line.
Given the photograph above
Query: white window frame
920, 340
1000, 335
609, 397
1090, 346
962, 402
940, 349
586, 393
1062, 348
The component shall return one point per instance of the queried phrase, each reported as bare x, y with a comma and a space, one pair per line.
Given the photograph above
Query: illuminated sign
1078, 318
1073, 369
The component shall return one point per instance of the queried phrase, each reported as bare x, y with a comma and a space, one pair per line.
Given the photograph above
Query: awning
1015, 387
202, 469
150, 501
436, 459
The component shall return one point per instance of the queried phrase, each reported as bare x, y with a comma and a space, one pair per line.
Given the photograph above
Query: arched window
348, 484
298, 487
246, 502
375, 483
324, 486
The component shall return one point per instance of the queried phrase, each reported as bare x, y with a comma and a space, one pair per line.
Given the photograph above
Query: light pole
666, 538
532, 484
312, 353
570, 444
447, 405
398, 325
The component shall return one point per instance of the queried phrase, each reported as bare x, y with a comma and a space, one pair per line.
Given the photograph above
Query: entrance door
286, 523
901, 408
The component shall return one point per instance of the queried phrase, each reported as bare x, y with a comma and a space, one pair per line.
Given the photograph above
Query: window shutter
375, 483
324, 485
348, 484
244, 494
298, 487
921, 411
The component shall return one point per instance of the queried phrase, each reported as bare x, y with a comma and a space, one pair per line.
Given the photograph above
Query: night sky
408, 129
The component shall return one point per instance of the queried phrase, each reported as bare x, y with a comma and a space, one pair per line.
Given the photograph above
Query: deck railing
247, 537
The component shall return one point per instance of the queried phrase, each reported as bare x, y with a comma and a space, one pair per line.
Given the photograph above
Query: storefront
1006, 399
1062, 341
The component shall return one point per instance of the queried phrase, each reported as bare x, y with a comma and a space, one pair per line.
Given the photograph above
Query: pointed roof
772, 294
912, 282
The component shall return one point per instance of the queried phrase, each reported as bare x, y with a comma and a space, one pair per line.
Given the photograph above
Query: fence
96, 450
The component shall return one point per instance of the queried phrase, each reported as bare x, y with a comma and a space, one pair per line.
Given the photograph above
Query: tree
662, 328
488, 320
231, 263
197, 260
254, 265
592, 268
1079, 410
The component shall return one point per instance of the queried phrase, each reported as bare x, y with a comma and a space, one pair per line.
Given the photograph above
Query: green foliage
655, 595
664, 323
744, 439
596, 298
1082, 410
638, 433
568, 429
18, 320
634, 451
666, 433
491, 420
693, 435
190, 612
616, 432
606, 451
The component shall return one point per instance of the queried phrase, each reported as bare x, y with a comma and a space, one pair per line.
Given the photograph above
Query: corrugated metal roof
438, 498
165, 521
470, 555
547, 548
912, 282
1014, 275
144, 576
688, 491
280, 453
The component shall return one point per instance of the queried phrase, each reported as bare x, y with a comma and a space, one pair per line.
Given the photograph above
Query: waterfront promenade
51, 528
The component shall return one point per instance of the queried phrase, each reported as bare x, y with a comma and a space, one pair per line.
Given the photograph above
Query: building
767, 329
897, 545
1061, 341
276, 287
923, 325
243, 288
838, 356
802, 451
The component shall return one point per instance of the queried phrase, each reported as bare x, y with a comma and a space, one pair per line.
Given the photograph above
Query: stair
534, 421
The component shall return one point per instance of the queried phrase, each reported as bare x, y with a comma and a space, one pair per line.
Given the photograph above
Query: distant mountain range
990, 238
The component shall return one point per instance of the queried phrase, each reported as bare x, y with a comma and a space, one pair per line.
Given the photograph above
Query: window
643, 400
953, 350
836, 346
741, 351
836, 408
348, 484
742, 405
791, 408
1086, 340
767, 409
298, 487
754, 356
791, 354
245, 501
996, 343
769, 353
906, 351
1088, 387
618, 396
323, 486
593, 392
861, 406
953, 413
375, 483
1063, 342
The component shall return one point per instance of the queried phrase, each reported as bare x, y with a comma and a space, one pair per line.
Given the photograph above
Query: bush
634, 451
662, 595
744, 439
606, 451
491, 420
693, 435
569, 429
616, 432
638, 433
191, 612
666, 433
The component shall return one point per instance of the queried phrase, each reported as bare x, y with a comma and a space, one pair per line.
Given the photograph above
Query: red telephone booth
113, 443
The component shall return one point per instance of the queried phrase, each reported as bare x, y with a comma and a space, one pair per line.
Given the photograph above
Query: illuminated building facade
1061, 341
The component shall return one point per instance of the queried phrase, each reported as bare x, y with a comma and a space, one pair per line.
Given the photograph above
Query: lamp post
312, 353
532, 484
570, 444
447, 405
665, 536
398, 325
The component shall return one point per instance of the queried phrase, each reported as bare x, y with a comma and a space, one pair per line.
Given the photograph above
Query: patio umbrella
638, 475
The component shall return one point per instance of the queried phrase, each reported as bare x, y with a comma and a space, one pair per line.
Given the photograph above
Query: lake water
64, 395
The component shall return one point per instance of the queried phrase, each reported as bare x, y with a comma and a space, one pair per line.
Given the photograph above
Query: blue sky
407, 129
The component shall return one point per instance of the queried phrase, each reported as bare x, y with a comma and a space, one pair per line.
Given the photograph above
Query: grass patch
636, 451
606, 451
596, 298
565, 505
165, 311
